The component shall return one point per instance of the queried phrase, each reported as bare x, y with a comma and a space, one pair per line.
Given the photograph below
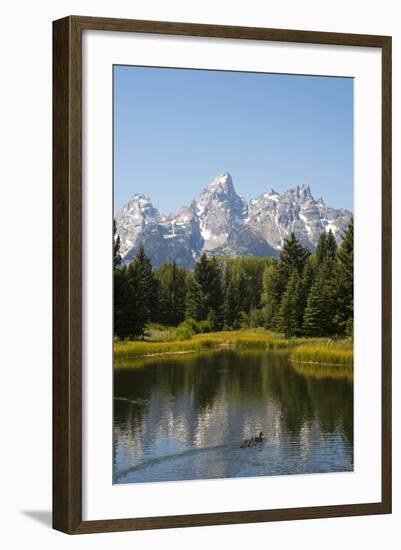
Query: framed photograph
221, 274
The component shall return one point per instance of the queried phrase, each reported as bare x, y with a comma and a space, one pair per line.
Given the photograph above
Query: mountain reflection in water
183, 417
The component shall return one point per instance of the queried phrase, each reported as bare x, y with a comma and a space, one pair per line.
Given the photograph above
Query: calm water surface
183, 417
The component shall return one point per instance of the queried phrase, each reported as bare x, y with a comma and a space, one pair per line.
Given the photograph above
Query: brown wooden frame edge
67, 275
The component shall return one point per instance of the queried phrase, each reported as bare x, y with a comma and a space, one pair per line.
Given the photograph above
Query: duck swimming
252, 441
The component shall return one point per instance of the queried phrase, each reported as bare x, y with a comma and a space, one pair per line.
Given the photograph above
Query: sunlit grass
309, 350
241, 339
334, 352
126, 350
245, 339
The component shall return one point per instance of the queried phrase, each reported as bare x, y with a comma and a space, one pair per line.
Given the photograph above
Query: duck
252, 441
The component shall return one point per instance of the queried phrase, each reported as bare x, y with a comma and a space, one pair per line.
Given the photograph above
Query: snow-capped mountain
133, 220
220, 212
221, 222
274, 217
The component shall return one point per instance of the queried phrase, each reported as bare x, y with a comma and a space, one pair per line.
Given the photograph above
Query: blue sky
176, 129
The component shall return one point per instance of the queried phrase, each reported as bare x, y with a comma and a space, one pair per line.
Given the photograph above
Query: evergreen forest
297, 294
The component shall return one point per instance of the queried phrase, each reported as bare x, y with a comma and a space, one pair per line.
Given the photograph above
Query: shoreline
321, 363
223, 345
242, 340
163, 353
217, 347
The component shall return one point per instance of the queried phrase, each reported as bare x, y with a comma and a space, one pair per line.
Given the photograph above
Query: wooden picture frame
67, 274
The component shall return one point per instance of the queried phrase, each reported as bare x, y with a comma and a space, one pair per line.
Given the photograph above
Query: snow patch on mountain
219, 221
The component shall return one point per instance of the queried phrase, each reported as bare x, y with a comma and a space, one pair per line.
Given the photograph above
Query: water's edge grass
313, 351
338, 353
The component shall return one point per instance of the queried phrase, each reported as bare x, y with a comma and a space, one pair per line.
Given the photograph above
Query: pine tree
231, 304
215, 293
309, 275
345, 282
299, 293
155, 301
320, 309
208, 275
145, 275
248, 274
120, 290
122, 298
171, 281
321, 248
312, 325
202, 277
178, 294
308, 278
287, 319
326, 248
194, 299
331, 246
293, 255
274, 285
245, 290
320, 300
140, 279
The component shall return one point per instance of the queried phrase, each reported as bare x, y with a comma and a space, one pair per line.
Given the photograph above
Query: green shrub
256, 318
184, 331
213, 320
205, 326
244, 321
157, 326
193, 324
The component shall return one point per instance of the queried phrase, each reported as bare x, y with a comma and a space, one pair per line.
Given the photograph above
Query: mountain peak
222, 182
139, 198
220, 191
220, 222
300, 192
139, 206
219, 211
304, 190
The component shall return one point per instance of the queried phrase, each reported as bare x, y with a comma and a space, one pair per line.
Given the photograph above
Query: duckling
259, 437
252, 441
245, 443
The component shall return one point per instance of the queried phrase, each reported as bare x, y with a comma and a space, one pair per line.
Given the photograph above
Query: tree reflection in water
182, 417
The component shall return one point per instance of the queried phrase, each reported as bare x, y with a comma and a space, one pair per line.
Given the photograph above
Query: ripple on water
181, 420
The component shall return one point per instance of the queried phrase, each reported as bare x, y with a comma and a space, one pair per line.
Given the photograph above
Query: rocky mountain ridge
220, 222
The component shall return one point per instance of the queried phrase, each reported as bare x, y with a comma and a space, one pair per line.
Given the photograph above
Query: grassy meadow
159, 341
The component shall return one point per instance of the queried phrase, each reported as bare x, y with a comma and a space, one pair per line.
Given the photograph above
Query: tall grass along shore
325, 352
301, 350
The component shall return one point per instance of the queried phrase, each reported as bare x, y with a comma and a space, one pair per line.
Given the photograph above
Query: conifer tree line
298, 294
